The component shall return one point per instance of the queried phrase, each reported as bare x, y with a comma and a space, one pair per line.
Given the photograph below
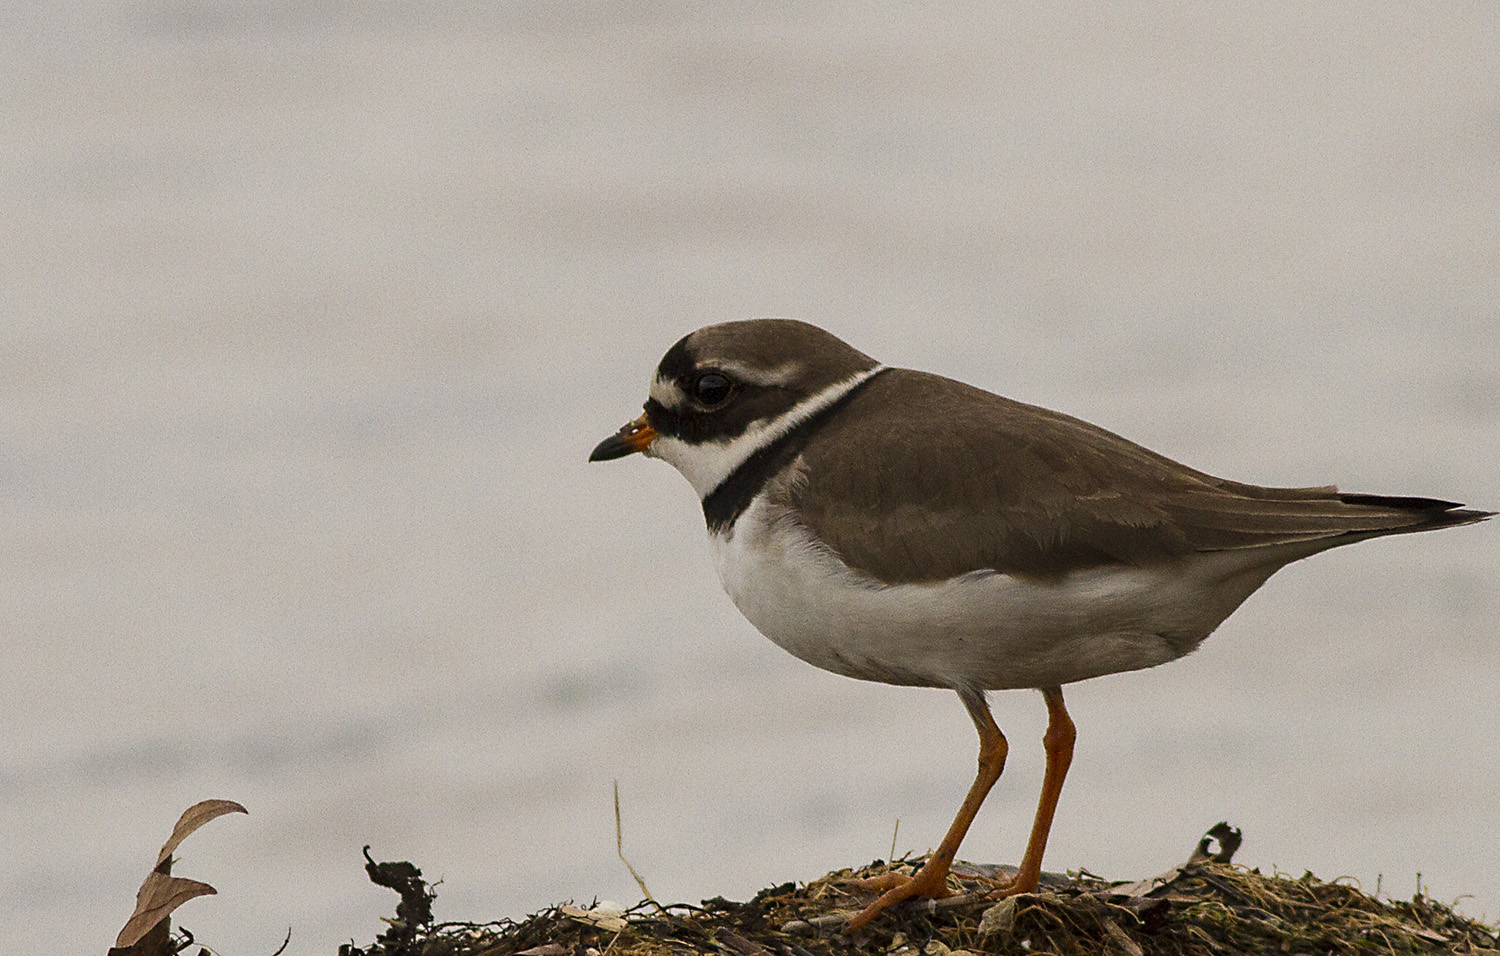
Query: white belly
985, 630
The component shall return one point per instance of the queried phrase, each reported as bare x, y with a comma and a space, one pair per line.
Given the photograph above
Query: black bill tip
631, 438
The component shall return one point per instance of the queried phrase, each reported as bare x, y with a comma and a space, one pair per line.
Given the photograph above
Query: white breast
985, 630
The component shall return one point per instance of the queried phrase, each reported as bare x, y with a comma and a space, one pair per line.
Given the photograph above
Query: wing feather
1023, 490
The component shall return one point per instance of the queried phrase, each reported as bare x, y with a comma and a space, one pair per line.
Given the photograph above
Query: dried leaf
192, 818
999, 919
159, 896
161, 893
1122, 939
604, 921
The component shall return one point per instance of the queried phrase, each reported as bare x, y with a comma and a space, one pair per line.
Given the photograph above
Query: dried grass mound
1206, 906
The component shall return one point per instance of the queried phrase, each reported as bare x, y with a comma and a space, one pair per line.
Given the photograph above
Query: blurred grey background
312, 312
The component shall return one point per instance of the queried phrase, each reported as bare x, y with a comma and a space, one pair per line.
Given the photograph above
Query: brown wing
977, 482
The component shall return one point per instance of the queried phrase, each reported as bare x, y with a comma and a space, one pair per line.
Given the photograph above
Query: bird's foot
1020, 883
881, 883
930, 882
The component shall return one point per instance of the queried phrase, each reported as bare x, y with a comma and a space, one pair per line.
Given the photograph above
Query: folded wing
1023, 490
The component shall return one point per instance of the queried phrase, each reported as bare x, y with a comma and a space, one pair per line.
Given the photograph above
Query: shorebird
897, 526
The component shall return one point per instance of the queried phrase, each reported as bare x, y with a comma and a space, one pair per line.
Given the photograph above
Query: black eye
711, 388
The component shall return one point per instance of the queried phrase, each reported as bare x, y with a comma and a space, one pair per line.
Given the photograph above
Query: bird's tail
1424, 514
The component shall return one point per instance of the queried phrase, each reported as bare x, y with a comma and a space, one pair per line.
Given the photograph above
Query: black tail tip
1443, 512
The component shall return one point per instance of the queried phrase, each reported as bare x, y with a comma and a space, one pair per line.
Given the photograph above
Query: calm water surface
311, 314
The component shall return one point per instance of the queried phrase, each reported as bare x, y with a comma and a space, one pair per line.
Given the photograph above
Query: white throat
706, 465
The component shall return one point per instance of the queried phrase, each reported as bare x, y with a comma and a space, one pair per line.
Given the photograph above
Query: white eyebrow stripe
780, 375
708, 465
669, 393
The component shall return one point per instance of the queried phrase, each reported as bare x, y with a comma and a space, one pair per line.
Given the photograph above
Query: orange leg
1059, 743
931, 881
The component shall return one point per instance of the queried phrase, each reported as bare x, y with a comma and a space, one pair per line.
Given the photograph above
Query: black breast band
723, 506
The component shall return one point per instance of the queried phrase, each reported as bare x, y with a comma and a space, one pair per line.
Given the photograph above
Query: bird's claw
930, 882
